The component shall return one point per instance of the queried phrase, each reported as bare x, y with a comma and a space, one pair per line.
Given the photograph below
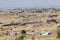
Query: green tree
58, 33
23, 32
33, 36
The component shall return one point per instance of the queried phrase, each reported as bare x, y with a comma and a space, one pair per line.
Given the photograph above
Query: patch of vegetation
58, 33
23, 32
21, 37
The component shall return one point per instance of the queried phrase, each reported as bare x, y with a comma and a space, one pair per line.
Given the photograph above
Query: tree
58, 33
33, 38
23, 32
21, 37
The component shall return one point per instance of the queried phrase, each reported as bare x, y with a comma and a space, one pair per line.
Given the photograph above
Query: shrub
58, 33
23, 32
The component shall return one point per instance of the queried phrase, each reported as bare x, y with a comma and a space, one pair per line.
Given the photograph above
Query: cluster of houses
45, 17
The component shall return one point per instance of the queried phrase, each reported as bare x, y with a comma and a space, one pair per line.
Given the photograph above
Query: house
13, 33
44, 33
52, 20
53, 15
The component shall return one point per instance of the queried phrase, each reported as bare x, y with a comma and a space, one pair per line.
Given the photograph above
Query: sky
29, 3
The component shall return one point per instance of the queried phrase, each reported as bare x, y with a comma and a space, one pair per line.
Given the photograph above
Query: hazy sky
29, 3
